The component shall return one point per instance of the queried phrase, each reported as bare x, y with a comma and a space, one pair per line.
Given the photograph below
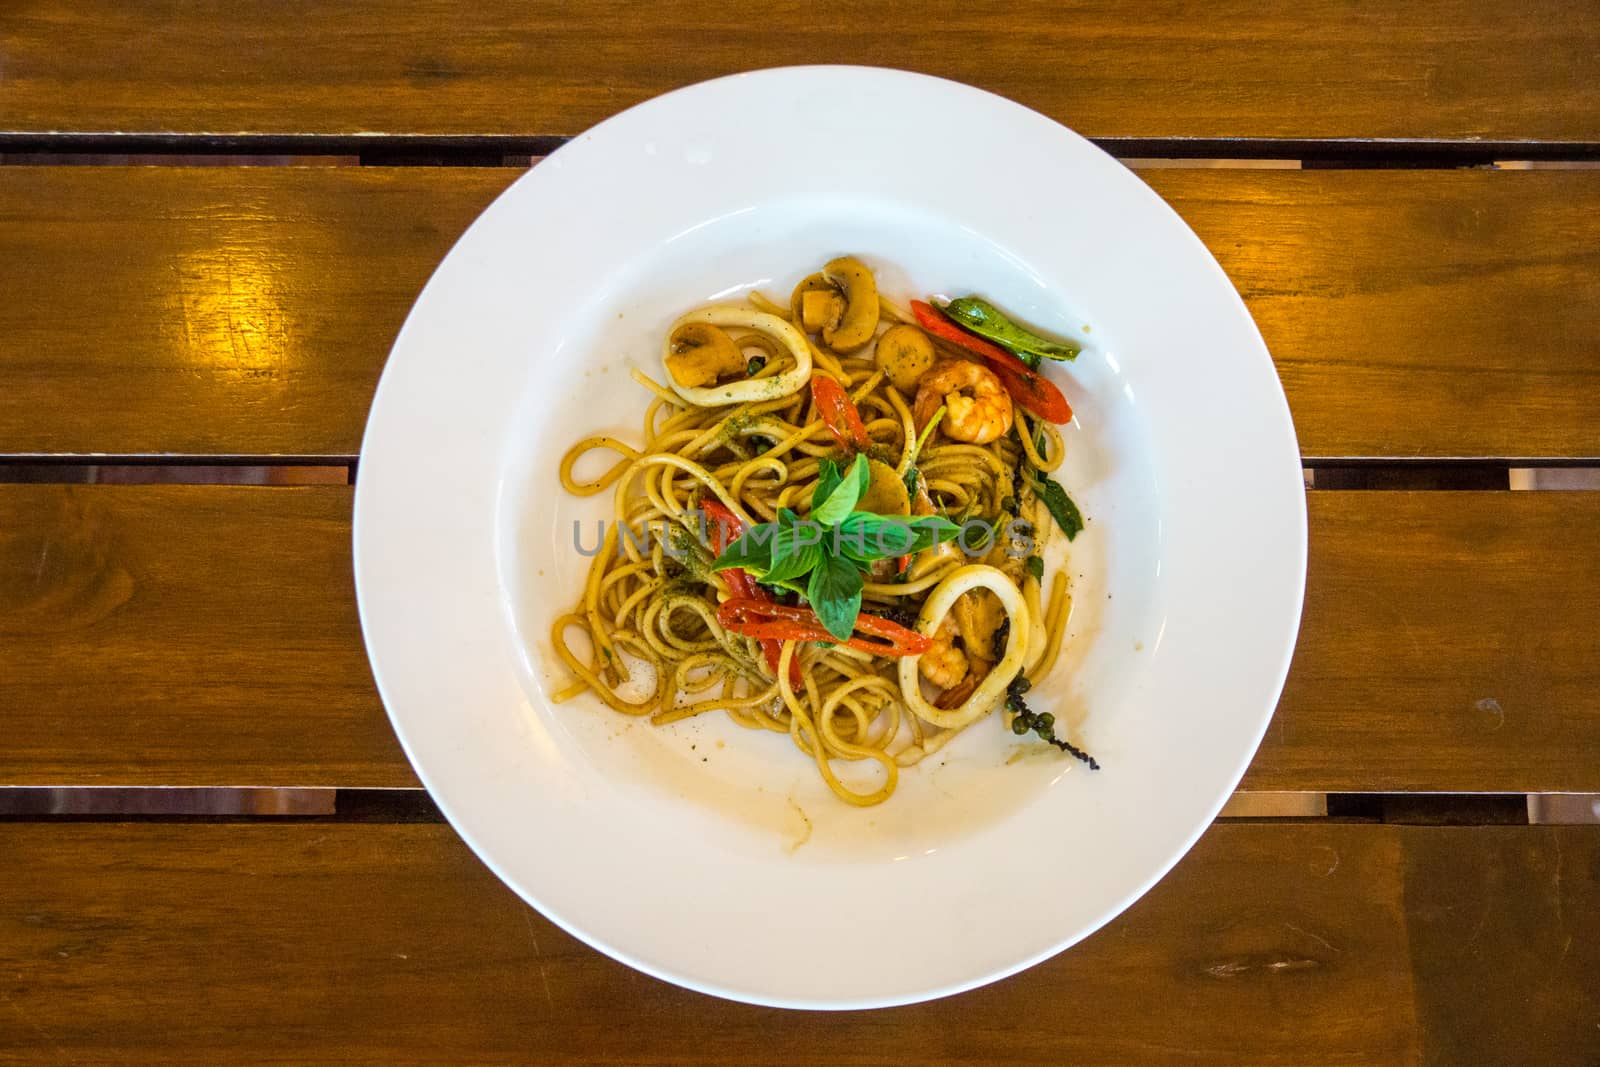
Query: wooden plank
1464, 72
245, 311
184, 635
1306, 942
207, 636
215, 311
1505, 934
1269, 944
1447, 644
1417, 314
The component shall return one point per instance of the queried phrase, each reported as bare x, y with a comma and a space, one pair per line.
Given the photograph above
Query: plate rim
447, 806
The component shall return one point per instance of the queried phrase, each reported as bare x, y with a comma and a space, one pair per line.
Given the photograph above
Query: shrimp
951, 699
977, 407
944, 664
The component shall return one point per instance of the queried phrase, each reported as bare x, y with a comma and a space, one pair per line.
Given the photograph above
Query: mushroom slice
816, 304
860, 289
886, 491
700, 354
821, 310
742, 390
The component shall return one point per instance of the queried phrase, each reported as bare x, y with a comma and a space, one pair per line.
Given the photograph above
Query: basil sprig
822, 557
1058, 503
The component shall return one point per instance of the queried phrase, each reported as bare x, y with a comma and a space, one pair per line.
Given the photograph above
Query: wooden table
1434, 323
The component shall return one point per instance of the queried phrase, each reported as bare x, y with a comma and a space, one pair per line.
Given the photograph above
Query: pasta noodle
759, 408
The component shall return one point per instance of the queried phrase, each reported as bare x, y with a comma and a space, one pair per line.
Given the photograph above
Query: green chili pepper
986, 320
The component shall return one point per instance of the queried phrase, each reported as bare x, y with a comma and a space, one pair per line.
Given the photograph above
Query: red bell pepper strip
754, 618
839, 413
1034, 392
741, 585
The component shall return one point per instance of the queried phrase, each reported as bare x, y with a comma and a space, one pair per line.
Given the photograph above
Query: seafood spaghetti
834, 528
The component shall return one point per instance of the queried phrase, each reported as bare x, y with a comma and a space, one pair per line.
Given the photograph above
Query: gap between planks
322, 471
403, 150
116, 803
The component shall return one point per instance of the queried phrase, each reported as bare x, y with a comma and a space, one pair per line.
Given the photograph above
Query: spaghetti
837, 415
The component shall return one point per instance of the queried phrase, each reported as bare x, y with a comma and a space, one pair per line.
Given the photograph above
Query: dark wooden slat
1270, 943
1447, 645
207, 636
1504, 929
184, 635
248, 312
1455, 71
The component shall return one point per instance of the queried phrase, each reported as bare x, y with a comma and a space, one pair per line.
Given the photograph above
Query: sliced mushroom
905, 352
886, 491
821, 310
743, 390
816, 304
701, 354
841, 304
860, 291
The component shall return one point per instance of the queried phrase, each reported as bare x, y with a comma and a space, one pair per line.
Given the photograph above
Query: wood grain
1447, 644
207, 636
184, 635
1504, 929
213, 311
1417, 314
246, 311
1460, 71
1306, 943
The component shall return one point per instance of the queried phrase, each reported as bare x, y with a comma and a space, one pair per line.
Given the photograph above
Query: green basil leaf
842, 500
784, 535
1060, 505
828, 479
835, 595
865, 537
751, 550
796, 547
932, 530
799, 559
1036, 567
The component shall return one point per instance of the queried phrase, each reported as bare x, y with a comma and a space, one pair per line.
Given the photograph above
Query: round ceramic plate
712, 856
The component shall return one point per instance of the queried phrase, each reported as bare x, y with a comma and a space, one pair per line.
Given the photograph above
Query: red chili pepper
741, 585
729, 528
839, 413
754, 618
1036, 393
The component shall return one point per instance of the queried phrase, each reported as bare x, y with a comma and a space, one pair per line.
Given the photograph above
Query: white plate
712, 856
